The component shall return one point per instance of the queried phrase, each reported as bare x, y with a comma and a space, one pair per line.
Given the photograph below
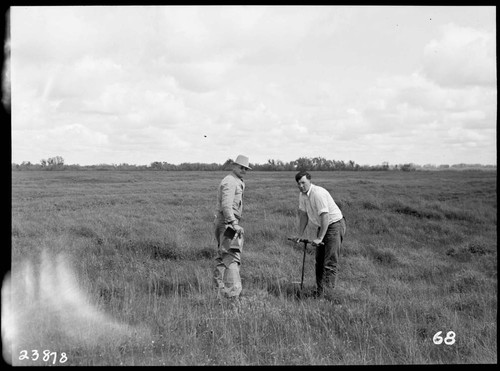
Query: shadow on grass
281, 288
159, 249
292, 290
168, 287
384, 257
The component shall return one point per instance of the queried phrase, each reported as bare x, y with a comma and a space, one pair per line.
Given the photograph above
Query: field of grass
114, 268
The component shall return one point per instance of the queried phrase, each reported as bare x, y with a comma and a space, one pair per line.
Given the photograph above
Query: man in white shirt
317, 206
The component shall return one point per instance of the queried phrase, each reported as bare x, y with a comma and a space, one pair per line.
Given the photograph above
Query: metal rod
305, 241
303, 264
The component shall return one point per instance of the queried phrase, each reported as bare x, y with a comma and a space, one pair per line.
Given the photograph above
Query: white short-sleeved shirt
317, 201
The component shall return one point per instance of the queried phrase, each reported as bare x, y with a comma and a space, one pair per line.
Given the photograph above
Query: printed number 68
448, 340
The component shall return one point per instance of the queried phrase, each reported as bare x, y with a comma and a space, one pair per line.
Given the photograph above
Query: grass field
114, 268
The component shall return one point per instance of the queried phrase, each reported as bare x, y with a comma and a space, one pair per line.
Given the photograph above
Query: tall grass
419, 257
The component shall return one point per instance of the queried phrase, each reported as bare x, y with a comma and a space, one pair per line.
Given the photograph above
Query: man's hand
317, 241
239, 230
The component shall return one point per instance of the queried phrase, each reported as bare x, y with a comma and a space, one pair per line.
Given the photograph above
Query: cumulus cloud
413, 101
461, 56
201, 76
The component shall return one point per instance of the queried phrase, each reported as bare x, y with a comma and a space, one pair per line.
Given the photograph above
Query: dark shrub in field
369, 205
478, 248
86, 232
467, 281
400, 208
377, 225
163, 250
83, 231
384, 257
204, 253
461, 215
466, 252
460, 254
155, 249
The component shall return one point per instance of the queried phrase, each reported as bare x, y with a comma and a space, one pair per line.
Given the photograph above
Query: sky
138, 84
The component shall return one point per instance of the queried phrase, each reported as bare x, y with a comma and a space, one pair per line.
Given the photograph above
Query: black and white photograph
251, 185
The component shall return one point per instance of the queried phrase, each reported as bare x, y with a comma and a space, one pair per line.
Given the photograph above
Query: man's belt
238, 217
336, 221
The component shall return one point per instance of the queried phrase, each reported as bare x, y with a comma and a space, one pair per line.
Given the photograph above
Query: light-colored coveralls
228, 260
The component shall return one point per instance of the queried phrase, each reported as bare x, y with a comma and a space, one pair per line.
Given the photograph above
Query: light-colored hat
242, 161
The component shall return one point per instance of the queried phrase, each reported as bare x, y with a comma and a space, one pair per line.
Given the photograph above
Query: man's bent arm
303, 221
324, 226
227, 193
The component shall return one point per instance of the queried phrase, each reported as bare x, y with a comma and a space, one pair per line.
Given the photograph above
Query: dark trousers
328, 254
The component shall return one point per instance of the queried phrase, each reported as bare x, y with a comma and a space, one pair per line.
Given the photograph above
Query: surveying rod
305, 241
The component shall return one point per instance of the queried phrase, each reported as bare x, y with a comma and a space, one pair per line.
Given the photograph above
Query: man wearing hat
228, 232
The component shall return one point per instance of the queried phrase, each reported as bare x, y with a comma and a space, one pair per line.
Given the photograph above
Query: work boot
328, 283
218, 274
234, 304
318, 293
220, 293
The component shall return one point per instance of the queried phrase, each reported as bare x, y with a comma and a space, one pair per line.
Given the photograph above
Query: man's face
239, 171
304, 184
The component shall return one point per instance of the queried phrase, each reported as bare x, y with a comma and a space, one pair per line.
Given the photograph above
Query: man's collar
236, 176
309, 191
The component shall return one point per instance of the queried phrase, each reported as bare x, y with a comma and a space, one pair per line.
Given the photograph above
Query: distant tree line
302, 163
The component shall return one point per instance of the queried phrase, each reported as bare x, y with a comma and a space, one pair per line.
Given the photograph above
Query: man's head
239, 170
303, 179
240, 166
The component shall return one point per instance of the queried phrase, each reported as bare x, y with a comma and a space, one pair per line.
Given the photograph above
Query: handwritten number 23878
47, 354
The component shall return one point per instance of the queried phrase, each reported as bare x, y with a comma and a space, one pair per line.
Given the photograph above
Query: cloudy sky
203, 84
